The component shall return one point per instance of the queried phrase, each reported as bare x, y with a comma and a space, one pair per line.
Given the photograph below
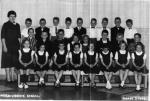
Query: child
104, 27
54, 28
139, 64
129, 32
85, 43
24, 32
106, 61
41, 29
76, 59
60, 63
26, 62
91, 60
80, 31
69, 31
122, 58
31, 38
92, 32
41, 57
75, 39
104, 41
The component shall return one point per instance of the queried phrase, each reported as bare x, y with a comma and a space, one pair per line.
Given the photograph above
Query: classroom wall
138, 10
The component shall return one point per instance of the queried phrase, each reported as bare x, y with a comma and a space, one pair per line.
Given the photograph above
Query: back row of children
82, 53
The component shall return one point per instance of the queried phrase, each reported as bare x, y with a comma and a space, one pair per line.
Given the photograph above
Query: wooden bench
68, 73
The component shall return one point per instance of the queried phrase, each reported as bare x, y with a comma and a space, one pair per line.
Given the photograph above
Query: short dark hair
129, 21
138, 34
28, 19
104, 31
30, 29
76, 44
56, 18
11, 13
94, 19
60, 30
42, 19
79, 19
117, 18
123, 42
105, 19
68, 19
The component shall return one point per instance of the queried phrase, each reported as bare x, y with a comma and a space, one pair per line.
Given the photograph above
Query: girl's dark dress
61, 59
76, 60
26, 58
91, 60
41, 60
139, 62
10, 32
122, 59
106, 60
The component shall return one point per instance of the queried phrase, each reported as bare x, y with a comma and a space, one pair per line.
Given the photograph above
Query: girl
26, 62
139, 64
76, 59
122, 58
91, 60
60, 63
106, 61
41, 58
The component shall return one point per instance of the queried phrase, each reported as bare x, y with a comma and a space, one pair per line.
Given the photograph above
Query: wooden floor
10, 91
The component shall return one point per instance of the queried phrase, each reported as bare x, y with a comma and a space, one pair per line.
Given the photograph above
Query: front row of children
90, 62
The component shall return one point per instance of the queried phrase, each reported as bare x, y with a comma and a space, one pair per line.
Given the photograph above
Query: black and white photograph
74, 50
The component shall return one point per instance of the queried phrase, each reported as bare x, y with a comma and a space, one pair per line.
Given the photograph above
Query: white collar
26, 50
139, 53
105, 53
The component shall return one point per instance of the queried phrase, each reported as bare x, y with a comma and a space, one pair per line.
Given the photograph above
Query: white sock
57, 81
122, 83
77, 82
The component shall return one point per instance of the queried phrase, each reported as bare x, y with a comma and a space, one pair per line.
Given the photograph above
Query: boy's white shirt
68, 32
52, 30
24, 32
93, 32
129, 33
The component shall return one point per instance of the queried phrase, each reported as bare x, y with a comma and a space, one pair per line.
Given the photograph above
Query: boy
41, 29
104, 27
24, 32
54, 28
79, 30
129, 32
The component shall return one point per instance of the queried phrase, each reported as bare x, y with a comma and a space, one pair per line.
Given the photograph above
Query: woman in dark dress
10, 36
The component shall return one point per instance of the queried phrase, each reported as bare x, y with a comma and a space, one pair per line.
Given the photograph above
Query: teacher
10, 36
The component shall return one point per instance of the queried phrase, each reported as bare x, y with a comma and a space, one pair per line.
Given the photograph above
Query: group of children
79, 50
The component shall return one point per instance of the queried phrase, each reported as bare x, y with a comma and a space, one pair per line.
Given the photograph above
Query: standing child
139, 64
26, 62
41, 58
91, 60
32, 39
122, 58
76, 59
60, 63
106, 61
85, 43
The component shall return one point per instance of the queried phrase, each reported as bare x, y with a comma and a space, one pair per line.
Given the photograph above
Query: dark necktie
56, 30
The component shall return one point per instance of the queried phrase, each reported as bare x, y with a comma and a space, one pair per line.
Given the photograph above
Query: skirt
10, 59
123, 68
76, 68
44, 68
104, 69
143, 70
94, 70
30, 66
56, 68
